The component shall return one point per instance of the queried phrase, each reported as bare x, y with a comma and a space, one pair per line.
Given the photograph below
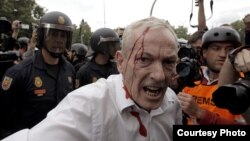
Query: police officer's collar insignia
38, 82
61, 20
6, 82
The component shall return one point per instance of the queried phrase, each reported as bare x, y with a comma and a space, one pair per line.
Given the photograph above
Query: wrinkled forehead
155, 41
161, 36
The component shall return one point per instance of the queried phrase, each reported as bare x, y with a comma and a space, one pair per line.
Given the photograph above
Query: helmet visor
56, 26
110, 48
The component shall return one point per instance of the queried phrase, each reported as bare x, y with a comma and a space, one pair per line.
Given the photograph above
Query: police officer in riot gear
104, 43
37, 84
77, 55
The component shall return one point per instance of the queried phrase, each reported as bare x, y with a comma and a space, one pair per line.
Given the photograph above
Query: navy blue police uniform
91, 71
32, 88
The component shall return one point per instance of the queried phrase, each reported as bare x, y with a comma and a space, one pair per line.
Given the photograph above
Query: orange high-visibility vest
203, 96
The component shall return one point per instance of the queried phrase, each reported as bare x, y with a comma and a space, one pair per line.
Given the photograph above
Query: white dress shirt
101, 112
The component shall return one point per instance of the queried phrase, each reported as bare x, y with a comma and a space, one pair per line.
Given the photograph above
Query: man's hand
189, 106
242, 61
16, 24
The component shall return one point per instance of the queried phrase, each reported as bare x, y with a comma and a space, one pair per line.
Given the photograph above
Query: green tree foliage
181, 32
82, 33
27, 11
239, 26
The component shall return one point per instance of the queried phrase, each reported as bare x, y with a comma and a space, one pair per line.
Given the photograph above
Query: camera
5, 28
23, 26
234, 97
7, 57
188, 68
5, 25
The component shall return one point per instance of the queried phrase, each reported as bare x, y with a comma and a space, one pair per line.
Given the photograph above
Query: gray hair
151, 22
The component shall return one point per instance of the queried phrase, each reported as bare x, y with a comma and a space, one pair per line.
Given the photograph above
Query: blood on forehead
139, 40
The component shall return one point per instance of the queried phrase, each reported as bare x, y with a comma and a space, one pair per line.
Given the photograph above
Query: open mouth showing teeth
152, 91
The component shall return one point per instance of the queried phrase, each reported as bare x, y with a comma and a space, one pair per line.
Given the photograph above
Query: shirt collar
206, 79
122, 101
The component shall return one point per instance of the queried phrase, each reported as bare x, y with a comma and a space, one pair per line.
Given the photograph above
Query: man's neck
101, 59
48, 58
212, 75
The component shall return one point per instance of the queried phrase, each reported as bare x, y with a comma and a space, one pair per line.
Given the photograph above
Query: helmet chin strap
107, 54
54, 55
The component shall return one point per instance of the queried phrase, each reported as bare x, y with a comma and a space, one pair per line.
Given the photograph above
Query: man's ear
204, 53
119, 60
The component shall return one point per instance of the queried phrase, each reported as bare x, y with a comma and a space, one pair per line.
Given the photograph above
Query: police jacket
30, 90
91, 72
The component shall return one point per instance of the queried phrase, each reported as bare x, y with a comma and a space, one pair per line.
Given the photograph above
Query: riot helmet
105, 41
221, 34
56, 24
5, 25
79, 49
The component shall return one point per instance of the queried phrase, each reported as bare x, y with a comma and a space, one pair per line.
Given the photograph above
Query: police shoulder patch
6, 82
